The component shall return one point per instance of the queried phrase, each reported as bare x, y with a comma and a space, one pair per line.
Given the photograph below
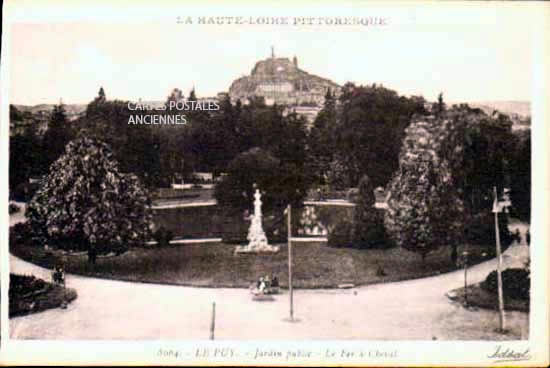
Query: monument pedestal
265, 249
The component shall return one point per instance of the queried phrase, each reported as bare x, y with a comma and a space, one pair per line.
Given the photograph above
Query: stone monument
257, 241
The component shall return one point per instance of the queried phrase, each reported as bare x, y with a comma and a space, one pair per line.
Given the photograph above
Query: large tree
264, 134
26, 160
421, 213
213, 138
370, 127
282, 183
86, 203
57, 136
520, 178
424, 210
135, 147
321, 139
479, 149
469, 153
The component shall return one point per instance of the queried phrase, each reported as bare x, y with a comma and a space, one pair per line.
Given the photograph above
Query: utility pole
496, 210
289, 209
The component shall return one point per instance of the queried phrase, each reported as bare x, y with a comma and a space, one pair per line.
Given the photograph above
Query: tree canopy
86, 203
479, 149
424, 210
520, 178
281, 183
363, 131
58, 134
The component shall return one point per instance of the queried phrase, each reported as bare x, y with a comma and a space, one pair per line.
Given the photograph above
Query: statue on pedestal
257, 241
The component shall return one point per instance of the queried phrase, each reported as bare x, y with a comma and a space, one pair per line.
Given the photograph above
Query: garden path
413, 309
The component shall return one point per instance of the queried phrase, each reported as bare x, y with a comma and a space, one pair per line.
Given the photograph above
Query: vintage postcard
306, 183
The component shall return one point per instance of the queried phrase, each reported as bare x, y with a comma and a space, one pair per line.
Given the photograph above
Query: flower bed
479, 297
28, 294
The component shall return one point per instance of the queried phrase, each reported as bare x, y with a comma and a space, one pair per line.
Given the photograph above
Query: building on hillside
309, 112
280, 81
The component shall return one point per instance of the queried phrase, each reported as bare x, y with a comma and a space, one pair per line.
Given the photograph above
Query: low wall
212, 221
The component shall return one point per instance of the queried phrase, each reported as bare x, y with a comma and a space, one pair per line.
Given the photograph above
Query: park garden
94, 208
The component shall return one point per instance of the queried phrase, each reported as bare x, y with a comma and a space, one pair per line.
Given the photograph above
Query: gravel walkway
415, 309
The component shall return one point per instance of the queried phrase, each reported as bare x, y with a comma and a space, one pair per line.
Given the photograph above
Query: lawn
215, 265
201, 222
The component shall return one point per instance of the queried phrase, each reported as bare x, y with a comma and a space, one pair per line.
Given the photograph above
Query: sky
481, 61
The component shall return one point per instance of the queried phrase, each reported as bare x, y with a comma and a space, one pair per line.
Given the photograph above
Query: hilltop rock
280, 81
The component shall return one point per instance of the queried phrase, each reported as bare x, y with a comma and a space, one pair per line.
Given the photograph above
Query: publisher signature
509, 355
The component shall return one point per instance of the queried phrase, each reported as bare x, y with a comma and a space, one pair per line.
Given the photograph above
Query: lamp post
290, 291
213, 321
465, 263
496, 209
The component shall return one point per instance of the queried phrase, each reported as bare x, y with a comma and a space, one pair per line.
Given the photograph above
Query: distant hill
520, 108
24, 116
518, 111
72, 110
281, 81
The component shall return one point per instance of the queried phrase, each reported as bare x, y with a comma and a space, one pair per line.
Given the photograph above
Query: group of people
267, 284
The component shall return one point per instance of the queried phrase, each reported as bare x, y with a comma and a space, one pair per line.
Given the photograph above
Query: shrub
163, 236
330, 216
13, 208
20, 234
23, 192
365, 227
337, 175
353, 195
516, 283
481, 231
369, 228
341, 235
22, 284
380, 272
28, 294
359, 227
373, 235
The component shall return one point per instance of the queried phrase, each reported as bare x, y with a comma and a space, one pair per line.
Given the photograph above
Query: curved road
415, 309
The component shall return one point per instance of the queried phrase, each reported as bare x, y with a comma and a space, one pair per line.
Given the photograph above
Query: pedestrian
262, 285
274, 281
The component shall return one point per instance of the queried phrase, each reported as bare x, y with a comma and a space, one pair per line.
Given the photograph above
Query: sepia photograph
257, 182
